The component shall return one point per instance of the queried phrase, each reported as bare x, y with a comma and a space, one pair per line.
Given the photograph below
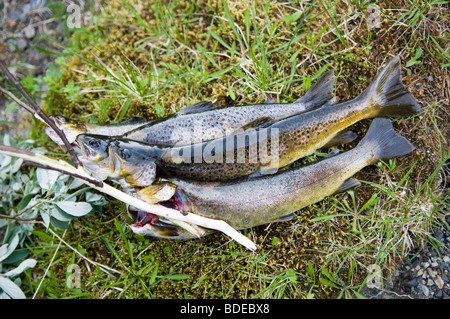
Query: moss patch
181, 53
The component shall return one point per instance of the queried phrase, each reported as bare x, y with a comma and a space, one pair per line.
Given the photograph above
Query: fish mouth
144, 218
148, 224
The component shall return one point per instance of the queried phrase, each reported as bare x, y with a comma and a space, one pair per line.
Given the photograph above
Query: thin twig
38, 112
159, 210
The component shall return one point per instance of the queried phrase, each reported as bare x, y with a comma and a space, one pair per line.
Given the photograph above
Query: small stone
439, 282
10, 24
425, 291
431, 272
29, 31
413, 283
420, 272
446, 259
430, 282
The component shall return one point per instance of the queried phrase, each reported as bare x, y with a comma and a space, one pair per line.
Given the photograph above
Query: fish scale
269, 146
250, 202
298, 136
200, 121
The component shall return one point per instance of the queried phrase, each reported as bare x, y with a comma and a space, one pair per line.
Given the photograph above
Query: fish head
95, 155
71, 128
148, 224
134, 162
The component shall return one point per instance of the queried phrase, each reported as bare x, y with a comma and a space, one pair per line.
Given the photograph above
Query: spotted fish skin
250, 202
72, 129
296, 136
198, 122
275, 144
204, 121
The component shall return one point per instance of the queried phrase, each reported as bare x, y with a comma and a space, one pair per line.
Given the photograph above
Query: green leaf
24, 265
178, 277
326, 217
7, 248
293, 17
231, 93
327, 282
46, 178
10, 107
159, 109
11, 289
75, 208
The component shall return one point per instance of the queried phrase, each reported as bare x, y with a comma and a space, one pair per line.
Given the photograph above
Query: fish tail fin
383, 142
388, 93
320, 93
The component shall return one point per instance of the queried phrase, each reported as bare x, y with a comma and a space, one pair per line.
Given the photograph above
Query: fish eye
125, 153
94, 143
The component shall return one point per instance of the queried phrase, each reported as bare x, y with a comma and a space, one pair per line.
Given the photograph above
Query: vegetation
153, 58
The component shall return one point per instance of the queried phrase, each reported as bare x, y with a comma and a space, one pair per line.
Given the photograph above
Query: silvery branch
188, 222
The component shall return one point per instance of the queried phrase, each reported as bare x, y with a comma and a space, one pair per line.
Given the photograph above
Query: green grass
174, 54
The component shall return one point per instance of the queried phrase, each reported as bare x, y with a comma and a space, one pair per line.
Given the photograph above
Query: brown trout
200, 121
250, 202
264, 149
73, 128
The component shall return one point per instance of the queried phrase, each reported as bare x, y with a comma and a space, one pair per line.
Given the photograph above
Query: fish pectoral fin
197, 108
348, 184
332, 153
341, 138
157, 192
284, 218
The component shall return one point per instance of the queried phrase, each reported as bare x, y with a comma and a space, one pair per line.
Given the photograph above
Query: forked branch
36, 111
177, 217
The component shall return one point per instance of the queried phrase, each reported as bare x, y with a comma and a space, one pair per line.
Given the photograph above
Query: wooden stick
168, 213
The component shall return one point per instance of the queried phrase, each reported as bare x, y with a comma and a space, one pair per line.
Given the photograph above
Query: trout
73, 128
200, 121
262, 149
250, 202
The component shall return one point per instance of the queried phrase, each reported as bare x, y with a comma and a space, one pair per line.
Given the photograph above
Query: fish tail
383, 142
388, 93
320, 93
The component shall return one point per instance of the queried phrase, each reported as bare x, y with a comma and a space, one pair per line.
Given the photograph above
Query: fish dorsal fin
320, 93
197, 108
348, 184
134, 120
258, 123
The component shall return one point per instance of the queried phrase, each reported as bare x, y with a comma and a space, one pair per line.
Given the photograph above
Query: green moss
161, 49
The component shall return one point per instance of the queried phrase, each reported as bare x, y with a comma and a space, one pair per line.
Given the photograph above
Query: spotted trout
250, 202
262, 149
72, 128
200, 121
